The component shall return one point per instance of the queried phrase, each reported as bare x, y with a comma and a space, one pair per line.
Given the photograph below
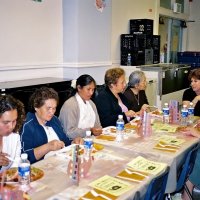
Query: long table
56, 183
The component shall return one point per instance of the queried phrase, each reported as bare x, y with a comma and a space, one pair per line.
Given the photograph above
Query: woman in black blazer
110, 102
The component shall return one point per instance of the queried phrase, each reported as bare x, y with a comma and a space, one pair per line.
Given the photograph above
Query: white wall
122, 12
86, 39
30, 37
65, 38
193, 43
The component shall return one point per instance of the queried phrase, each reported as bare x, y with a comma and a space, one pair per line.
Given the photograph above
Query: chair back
187, 167
156, 188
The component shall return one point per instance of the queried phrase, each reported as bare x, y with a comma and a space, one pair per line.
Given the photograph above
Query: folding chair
187, 168
156, 188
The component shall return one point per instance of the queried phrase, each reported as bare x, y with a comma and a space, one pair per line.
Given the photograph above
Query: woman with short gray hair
135, 92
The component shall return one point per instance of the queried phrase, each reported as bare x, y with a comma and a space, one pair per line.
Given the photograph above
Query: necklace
137, 98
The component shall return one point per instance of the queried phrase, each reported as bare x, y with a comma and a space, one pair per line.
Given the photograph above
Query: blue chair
156, 188
186, 168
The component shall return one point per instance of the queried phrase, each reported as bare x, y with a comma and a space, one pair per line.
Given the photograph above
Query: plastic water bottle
24, 172
129, 60
88, 145
190, 113
120, 128
184, 115
166, 113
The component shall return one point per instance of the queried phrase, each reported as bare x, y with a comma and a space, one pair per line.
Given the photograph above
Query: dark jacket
33, 135
108, 107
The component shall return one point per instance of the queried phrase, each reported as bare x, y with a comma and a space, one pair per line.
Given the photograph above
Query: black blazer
108, 107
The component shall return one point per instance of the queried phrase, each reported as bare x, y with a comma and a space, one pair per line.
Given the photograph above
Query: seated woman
42, 131
110, 101
79, 114
11, 118
193, 94
135, 92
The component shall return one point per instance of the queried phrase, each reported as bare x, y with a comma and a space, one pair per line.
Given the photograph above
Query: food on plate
12, 174
181, 129
96, 147
130, 126
106, 137
156, 112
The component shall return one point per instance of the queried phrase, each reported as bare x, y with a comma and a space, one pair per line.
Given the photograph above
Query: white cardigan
12, 146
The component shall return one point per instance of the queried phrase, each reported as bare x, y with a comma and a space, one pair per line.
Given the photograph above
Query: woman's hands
56, 145
96, 131
78, 140
3, 160
130, 113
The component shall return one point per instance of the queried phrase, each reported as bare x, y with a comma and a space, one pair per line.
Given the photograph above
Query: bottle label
165, 111
184, 113
88, 144
120, 126
190, 111
24, 170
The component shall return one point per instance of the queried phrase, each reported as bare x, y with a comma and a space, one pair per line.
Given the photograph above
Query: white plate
106, 130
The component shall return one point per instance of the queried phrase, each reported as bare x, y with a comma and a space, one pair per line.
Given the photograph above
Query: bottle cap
120, 116
88, 133
184, 106
191, 103
24, 156
166, 104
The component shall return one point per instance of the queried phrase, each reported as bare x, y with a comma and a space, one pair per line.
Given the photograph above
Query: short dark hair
84, 80
8, 103
195, 73
39, 97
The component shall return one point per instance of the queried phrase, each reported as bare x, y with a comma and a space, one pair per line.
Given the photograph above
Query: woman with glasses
42, 132
110, 102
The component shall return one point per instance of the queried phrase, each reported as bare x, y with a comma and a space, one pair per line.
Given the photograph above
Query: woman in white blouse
11, 118
79, 114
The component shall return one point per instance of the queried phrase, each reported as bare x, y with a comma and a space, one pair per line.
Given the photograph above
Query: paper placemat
111, 185
144, 165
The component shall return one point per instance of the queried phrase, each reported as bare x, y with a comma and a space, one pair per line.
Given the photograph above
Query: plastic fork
95, 194
134, 172
169, 145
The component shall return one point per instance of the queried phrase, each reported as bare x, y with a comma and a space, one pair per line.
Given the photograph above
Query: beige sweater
69, 117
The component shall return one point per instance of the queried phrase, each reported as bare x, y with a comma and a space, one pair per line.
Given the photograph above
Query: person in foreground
11, 118
193, 94
42, 132
111, 102
135, 92
79, 114
193, 179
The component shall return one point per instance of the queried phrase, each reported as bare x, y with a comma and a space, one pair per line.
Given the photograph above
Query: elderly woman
135, 92
42, 132
79, 114
193, 94
111, 102
11, 118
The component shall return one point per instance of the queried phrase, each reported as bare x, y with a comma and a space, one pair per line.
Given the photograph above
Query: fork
134, 172
169, 145
95, 194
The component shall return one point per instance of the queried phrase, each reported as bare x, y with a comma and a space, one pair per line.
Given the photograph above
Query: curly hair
8, 103
112, 75
194, 74
39, 97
